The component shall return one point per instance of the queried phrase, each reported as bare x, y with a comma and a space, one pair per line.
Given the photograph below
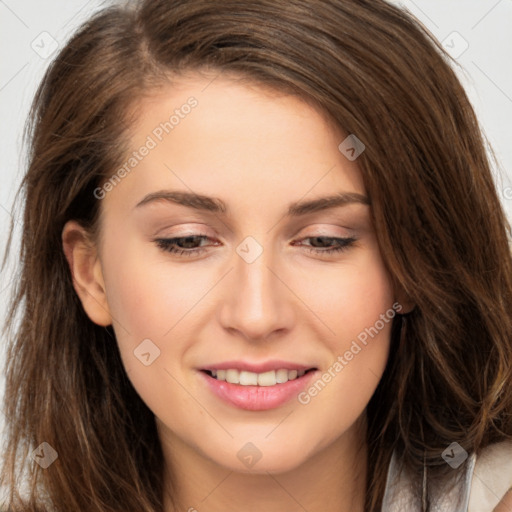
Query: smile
247, 378
256, 391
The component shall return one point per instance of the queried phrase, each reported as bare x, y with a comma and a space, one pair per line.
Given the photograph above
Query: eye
182, 245
328, 244
188, 245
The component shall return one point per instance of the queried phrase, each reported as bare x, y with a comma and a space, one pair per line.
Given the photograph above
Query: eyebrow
216, 205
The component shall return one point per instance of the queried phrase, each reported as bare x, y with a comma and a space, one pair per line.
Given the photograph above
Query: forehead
234, 140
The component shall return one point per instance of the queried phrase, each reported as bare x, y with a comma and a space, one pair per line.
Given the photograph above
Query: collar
452, 495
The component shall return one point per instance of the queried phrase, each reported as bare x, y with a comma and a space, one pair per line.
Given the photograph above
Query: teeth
282, 376
233, 376
267, 378
244, 378
248, 378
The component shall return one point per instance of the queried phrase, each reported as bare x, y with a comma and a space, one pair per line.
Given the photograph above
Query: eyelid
327, 230
192, 229
337, 246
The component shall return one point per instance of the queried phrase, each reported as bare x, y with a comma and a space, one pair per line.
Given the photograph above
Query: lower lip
257, 398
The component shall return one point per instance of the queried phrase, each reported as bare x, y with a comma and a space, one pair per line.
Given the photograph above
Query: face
218, 259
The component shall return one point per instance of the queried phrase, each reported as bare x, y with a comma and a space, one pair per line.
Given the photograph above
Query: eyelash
169, 245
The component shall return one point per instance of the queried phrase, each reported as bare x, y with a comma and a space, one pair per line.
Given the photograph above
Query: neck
333, 479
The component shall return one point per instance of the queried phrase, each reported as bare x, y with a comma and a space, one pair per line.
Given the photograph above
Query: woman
264, 267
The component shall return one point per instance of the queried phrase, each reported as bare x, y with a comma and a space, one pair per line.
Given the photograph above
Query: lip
257, 367
257, 398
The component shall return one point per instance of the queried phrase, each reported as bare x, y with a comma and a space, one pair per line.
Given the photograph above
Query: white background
484, 26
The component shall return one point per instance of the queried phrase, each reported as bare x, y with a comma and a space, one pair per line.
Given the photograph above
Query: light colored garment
483, 481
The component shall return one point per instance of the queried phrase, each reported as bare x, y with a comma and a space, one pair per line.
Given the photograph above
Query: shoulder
487, 478
492, 477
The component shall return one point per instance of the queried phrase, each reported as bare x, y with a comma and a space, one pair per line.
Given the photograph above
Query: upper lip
257, 367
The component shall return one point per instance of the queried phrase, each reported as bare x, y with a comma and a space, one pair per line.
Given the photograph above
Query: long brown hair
377, 73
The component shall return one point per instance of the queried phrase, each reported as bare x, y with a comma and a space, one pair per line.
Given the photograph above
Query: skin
505, 505
258, 151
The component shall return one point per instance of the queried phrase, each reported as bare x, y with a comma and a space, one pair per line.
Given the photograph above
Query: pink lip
257, 398
257, 367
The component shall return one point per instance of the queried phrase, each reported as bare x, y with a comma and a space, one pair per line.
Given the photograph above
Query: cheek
349, 298
147, 296
355, 307
148, 300
151, 308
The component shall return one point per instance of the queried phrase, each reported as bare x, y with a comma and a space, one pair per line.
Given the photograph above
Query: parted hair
375, 72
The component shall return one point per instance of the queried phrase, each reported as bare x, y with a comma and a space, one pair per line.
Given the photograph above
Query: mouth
263, 390
263, 379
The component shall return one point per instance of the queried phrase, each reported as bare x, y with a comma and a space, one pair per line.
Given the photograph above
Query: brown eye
328, 245
182, 245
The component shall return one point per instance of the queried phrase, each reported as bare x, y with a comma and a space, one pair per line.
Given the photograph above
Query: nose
257, 301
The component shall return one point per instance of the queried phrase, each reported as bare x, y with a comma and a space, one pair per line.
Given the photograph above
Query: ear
404, 300
85, 266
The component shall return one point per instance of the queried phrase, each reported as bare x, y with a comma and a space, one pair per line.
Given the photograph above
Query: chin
278, 461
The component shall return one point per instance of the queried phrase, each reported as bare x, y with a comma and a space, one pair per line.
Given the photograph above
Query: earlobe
405, 302
406, 306
86, 272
